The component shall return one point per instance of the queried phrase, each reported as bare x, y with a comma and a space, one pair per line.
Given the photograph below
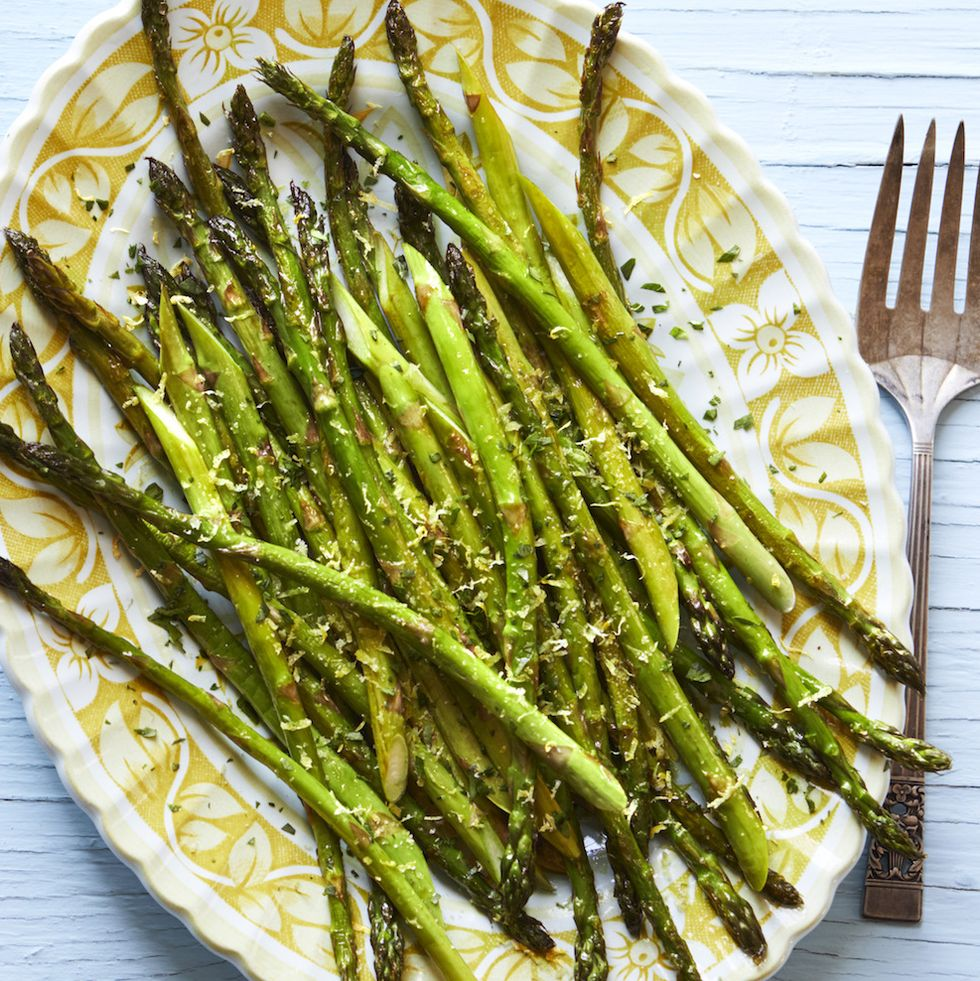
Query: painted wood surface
814, 88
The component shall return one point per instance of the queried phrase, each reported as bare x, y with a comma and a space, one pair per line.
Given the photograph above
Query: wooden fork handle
893, 883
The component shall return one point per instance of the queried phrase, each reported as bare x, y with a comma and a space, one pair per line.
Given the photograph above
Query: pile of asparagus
463, 518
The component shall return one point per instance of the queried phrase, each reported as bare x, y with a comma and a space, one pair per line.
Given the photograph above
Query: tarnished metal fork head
923, 357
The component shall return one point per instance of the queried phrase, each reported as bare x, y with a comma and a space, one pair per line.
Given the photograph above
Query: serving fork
924, 358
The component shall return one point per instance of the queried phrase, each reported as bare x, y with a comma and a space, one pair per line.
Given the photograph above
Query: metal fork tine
913, 257
944, 282
973, 268
878, 255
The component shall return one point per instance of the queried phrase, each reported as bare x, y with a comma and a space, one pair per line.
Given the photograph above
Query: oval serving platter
215, 841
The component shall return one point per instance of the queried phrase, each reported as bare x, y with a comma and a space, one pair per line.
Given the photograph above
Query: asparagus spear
636, 520
426, 452
605, 29
562, 755
688, 812
520, 561
416, 229
207, 186
654, 678
590, 943
244, 206
55, 289
437, 125
387, 940
365, 846
184, 386
583, 351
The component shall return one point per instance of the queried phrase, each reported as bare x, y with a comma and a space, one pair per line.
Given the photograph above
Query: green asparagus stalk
245, 208
590, 943
636, 520
520, 561
775, 733
437, 125
185, 387
783, 741
468, 667
207, 186
916, 754
605, 29
436, 476
686, 811
416, 228
365, 846
53, 288
387, 940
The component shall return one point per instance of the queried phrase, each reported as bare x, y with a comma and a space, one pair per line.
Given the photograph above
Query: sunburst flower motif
213, 41
633, 959
769, 338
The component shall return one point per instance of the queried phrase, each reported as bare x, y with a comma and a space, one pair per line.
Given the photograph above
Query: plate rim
734, 149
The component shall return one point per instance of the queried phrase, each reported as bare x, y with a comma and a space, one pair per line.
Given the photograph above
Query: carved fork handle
893, 883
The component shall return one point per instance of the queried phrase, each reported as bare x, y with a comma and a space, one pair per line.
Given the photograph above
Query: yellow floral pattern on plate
211, 835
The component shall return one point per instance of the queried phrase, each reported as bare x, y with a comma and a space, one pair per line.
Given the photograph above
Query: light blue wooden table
816, 94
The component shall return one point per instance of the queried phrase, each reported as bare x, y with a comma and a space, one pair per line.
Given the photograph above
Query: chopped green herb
174, 807
743, 422
678, 332
660, 308
710, 414
822, 477
730, 255
205, 120
289, 829
696, 324
653, 287
627, 267
266, 120
130, 167
146, 733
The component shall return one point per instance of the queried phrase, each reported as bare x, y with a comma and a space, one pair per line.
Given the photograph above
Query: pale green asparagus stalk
520, 559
